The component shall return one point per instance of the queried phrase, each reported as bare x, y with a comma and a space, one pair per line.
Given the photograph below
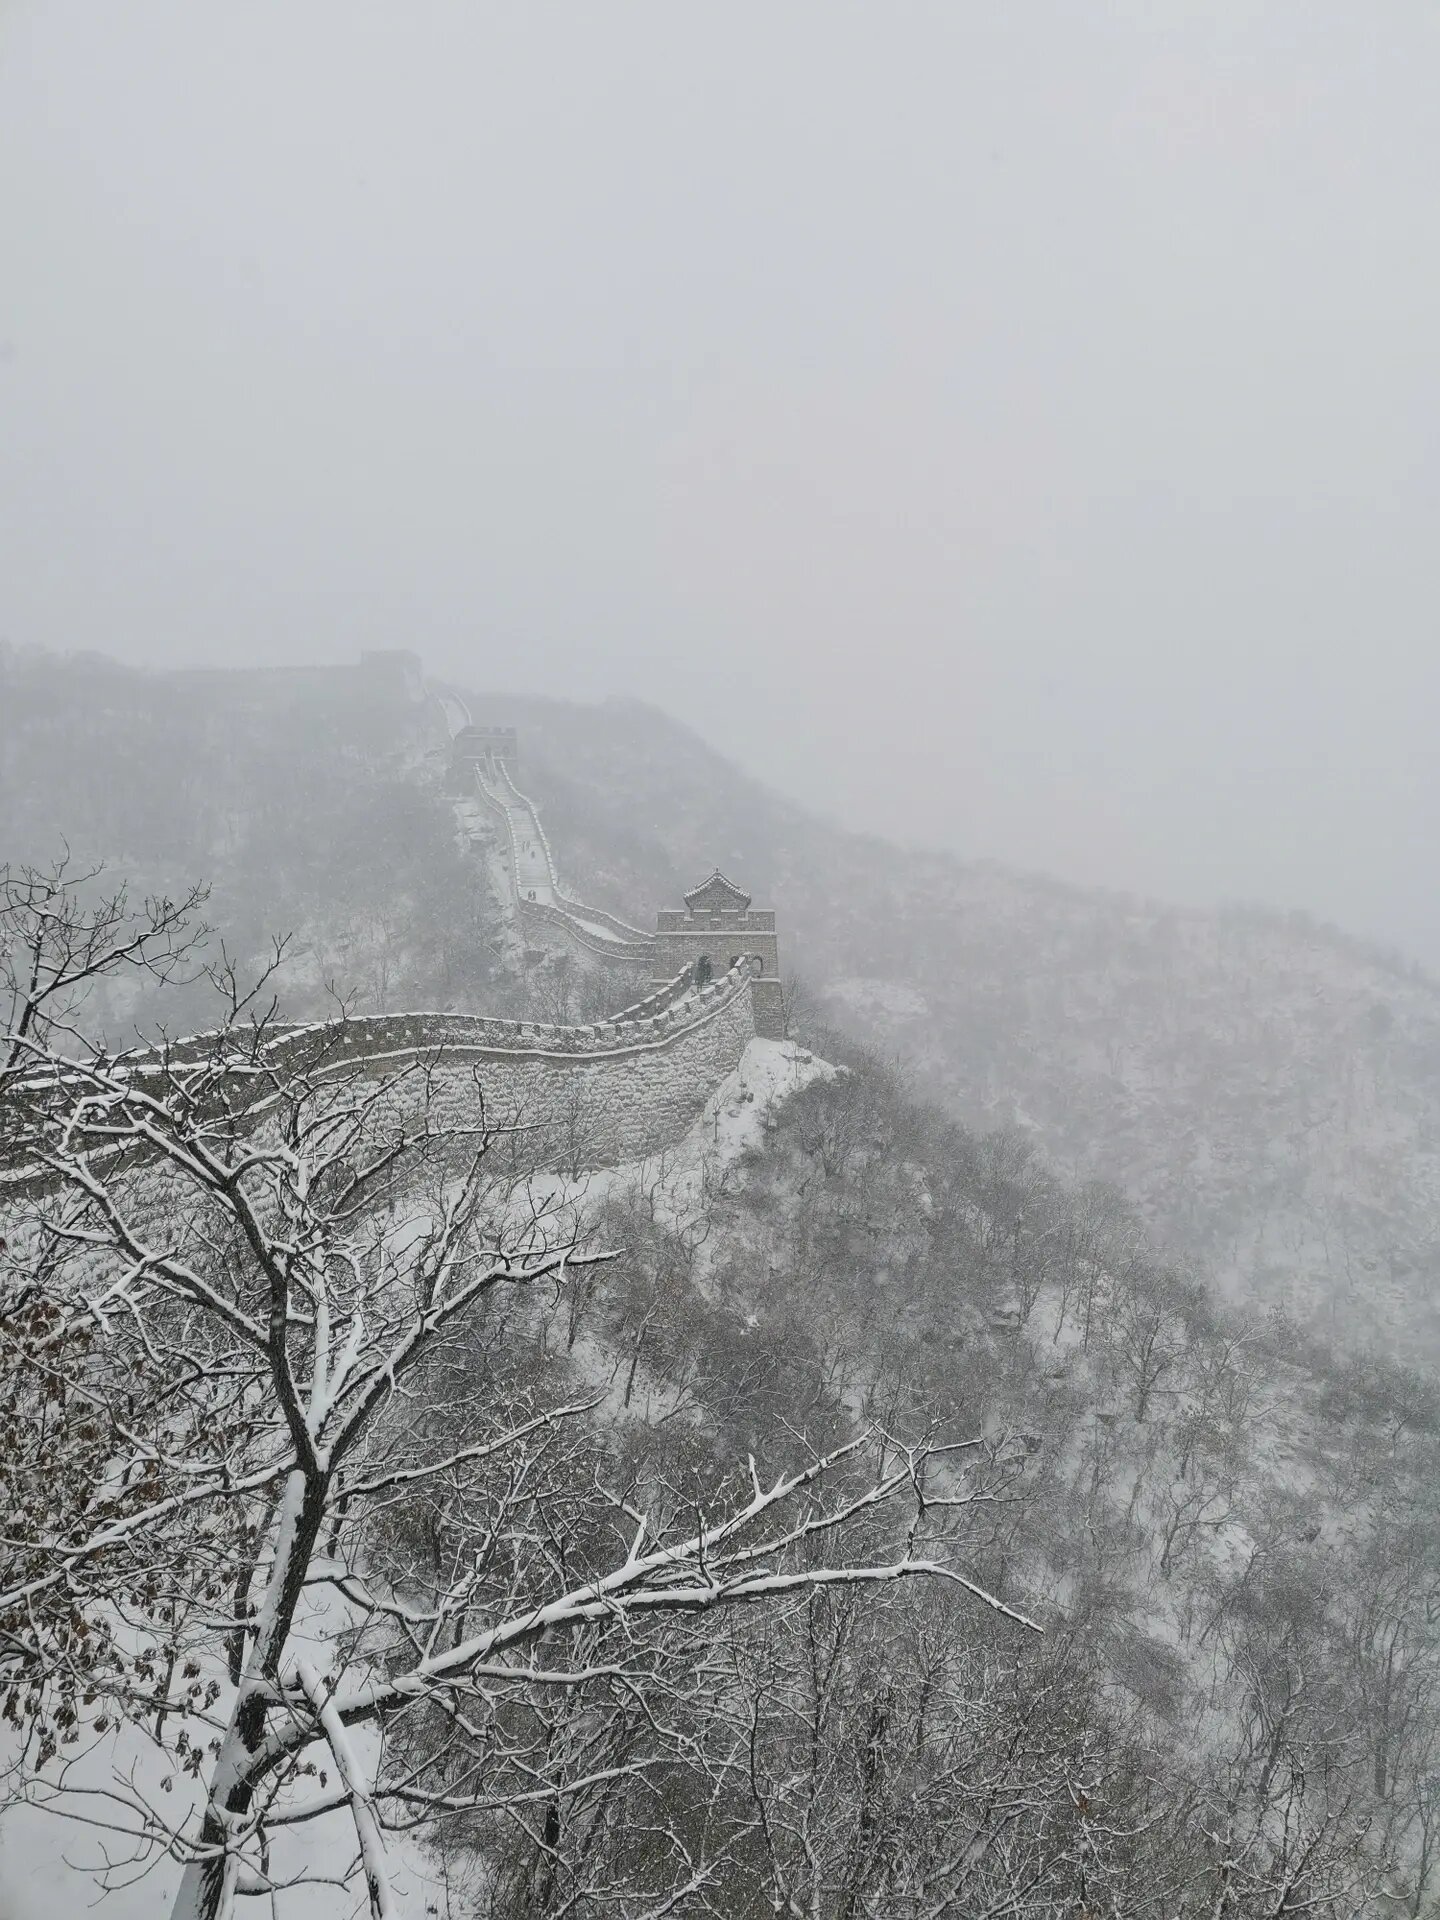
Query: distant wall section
545, 912
718, 928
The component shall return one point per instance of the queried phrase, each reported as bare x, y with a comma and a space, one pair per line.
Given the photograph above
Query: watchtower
718, 927
488, 745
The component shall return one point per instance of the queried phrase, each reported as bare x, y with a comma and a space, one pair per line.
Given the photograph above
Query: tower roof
717, 895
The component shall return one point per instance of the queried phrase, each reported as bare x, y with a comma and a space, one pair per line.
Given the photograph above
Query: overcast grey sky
1009, 425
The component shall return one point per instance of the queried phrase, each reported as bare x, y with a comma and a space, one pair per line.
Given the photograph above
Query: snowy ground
733, 1122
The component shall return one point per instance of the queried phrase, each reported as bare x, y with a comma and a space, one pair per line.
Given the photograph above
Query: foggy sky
1011, 426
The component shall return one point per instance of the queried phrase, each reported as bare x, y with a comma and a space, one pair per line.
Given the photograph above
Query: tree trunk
207, 1886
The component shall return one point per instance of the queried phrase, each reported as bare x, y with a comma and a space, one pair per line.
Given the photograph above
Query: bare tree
63, 932
281, 1480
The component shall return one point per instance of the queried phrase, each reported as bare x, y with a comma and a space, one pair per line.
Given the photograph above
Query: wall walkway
542, 907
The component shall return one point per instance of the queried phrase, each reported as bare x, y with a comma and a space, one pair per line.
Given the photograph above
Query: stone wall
582, 1096
594, 1110
683, 939
562, 922
485, 744
596, 916
677, 1006
545, 925
572, 1098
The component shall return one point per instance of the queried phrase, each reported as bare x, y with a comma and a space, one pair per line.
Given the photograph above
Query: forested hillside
836, 1515
1265, 1090
311, 803
858, 1511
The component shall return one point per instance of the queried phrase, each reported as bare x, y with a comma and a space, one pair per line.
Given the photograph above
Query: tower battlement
718, 927
492, 747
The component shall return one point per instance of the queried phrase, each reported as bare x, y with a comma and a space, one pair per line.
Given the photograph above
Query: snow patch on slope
734, 1122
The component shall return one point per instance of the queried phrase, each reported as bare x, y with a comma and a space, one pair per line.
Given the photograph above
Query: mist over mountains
1264, 1089
719, 1001
1106, 1229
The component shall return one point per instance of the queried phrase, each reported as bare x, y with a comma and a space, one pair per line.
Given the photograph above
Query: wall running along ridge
633, 1084
587, 1096
597, 1108
560, 919
583, 1097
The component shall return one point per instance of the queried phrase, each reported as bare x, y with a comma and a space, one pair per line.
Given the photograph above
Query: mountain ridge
1264, 1089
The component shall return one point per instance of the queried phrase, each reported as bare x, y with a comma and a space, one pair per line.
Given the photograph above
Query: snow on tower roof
717, 895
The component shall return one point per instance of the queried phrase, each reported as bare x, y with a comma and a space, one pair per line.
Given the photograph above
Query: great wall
635, 1082
590, 1095
715, 916
482, 761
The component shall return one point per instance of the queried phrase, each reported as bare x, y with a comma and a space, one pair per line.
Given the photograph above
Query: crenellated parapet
591, 1095
653, 1022
719, 935
571, 931
717, 926
482, 747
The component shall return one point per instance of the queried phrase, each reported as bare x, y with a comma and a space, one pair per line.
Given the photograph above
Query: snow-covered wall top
590, 1095
541, 903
